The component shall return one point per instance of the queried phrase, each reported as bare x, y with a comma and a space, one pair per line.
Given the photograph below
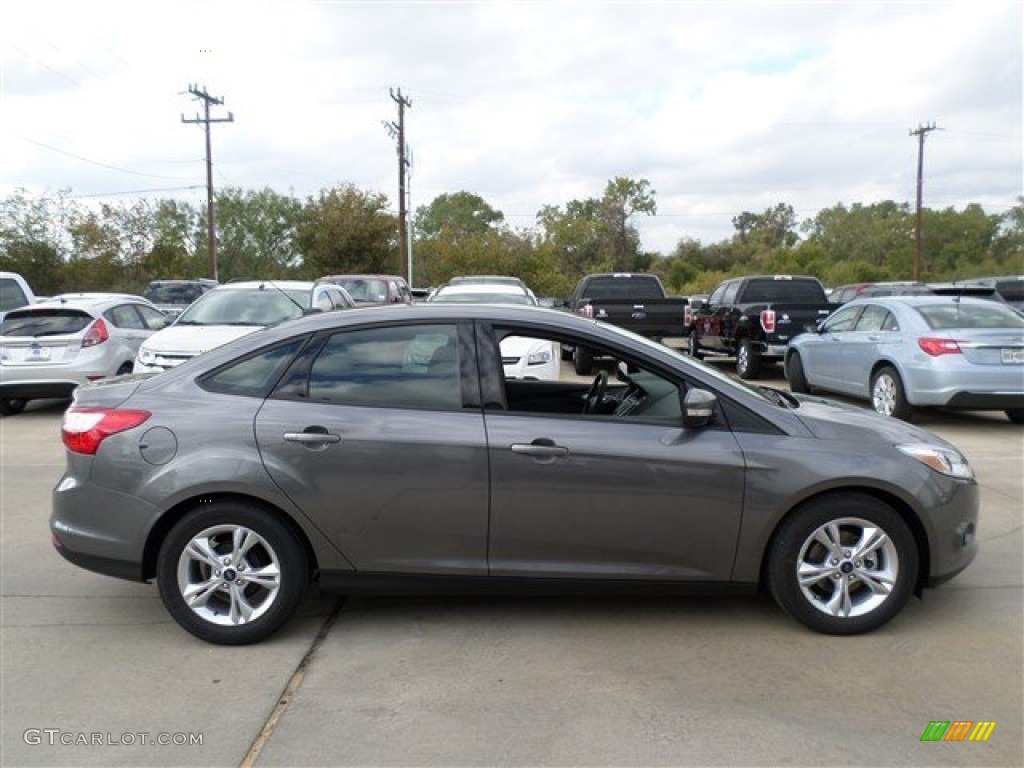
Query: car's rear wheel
795, 374
888, 396
231, 573
9, 406
748, 362
843, 564
1016, 415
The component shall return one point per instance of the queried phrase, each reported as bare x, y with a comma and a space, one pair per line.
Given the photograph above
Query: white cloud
723, 107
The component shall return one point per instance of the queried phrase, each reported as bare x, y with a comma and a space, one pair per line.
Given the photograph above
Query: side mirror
698, 408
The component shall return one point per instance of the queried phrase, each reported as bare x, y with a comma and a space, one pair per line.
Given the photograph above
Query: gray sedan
909, 351
384, 450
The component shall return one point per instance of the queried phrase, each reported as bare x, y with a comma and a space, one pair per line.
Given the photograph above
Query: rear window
770, 291
45, 322
1012, 292
632, 287
957, 315
365, 289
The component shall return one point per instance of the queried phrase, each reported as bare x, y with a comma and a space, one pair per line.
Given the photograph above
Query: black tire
888, 397
582, 361
693, 346
125, 368
795, 374
850, 596
213, 528
1016, 415
748, 361
9, 406
566, 353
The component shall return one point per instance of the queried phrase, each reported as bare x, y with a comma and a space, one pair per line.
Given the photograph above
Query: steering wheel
595, 395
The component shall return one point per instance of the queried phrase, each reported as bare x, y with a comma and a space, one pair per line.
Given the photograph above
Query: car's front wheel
843, 564
231, 573
1016, 415
693, 347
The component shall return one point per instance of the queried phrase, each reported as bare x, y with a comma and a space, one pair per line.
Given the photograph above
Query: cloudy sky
723, 107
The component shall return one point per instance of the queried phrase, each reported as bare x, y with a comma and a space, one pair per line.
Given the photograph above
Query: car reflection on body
231, 311
916, 351
522, 357
49, 348
385, 450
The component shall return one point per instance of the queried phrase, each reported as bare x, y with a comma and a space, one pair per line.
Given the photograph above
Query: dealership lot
94, 670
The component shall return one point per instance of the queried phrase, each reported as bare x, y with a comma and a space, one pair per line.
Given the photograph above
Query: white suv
231, 311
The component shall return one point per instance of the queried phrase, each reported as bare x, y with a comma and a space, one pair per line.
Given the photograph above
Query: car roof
361, 277
922, 300
243, 285
498, 289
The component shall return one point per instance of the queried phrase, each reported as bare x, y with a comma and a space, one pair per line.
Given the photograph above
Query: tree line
60, 244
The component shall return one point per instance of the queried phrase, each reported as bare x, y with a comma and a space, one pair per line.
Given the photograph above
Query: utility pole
397, 131
921, 132
207, 99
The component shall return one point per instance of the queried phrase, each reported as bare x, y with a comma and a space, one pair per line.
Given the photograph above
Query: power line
207, 99
98, 163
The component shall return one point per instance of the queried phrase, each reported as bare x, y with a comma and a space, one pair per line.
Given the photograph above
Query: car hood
833, 420
194, 339
520, 346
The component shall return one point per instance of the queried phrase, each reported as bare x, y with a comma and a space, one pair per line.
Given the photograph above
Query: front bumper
952, 531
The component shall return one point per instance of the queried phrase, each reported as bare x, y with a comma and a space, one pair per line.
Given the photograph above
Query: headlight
539, 358
944, 460
147, 356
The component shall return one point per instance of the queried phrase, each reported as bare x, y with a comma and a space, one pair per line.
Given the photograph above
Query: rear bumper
31, 390
977, 387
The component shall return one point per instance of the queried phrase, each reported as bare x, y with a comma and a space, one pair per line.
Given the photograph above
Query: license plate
1013, 356
35, 354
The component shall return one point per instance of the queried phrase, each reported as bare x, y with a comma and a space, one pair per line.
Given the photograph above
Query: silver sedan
910, 351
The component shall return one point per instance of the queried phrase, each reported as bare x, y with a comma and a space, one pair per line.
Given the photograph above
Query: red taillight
687, 316
97, 334
768, 320
85, 428
936, 347
587, 310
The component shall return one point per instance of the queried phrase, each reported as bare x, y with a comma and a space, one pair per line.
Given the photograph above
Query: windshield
365, 288
246, 306
45, 322
173, 293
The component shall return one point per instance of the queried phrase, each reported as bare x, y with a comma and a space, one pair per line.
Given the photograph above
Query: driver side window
535, 379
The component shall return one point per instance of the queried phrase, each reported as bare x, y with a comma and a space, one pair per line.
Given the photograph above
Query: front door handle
313, 437
542, 449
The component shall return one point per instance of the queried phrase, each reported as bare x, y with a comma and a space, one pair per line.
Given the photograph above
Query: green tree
345, 230
256, 234
456, 216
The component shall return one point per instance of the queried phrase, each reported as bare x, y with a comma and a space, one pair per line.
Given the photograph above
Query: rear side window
1012, 292
405, 367
125, 316
255, 375
45, 322
11, 295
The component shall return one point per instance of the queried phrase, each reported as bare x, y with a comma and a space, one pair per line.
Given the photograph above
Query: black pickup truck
753, 319
631, 300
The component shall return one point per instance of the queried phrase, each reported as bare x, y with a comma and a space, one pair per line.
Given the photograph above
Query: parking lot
96, 673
